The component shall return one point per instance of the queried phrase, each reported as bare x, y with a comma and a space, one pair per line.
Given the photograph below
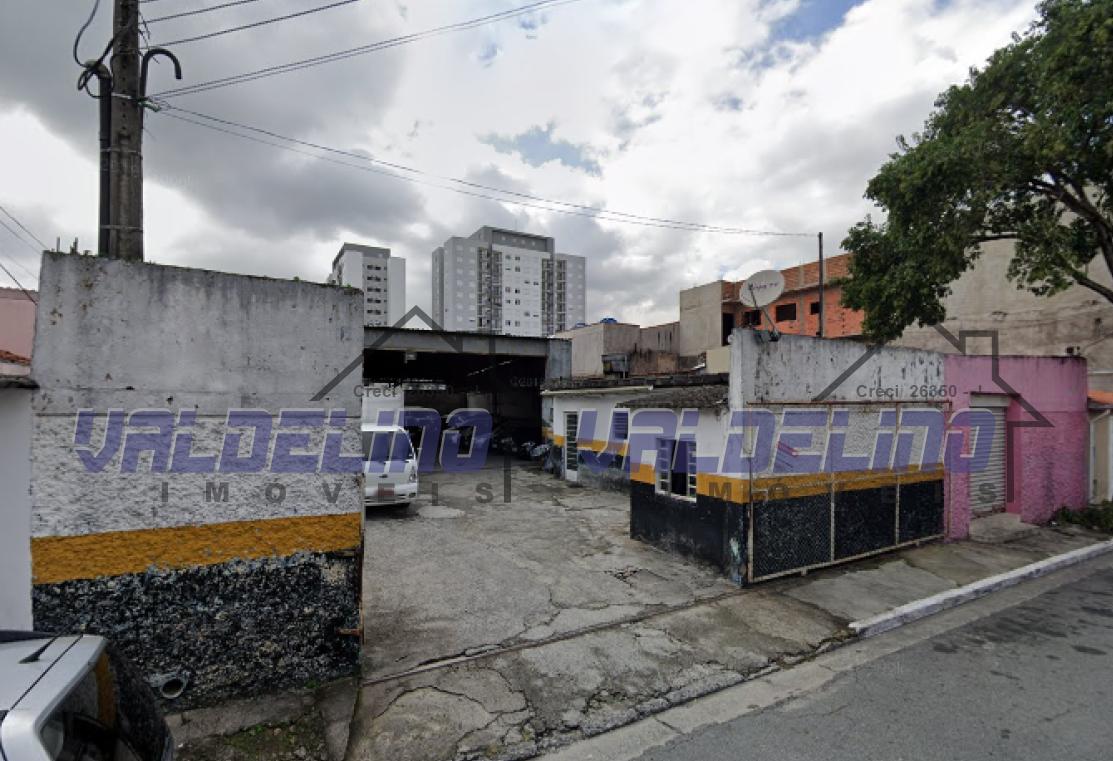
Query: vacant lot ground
503, 622
468, 571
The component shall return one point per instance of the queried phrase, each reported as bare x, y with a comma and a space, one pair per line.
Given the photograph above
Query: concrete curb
914, 611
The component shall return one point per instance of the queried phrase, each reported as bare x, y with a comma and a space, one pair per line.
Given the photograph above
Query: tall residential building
380, 276
502, 281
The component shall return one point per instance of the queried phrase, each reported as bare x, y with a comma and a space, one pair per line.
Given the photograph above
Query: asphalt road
1031, 682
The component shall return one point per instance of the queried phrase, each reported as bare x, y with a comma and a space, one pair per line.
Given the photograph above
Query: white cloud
692, 111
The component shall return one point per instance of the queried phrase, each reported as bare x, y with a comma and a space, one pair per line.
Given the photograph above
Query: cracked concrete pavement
502, 630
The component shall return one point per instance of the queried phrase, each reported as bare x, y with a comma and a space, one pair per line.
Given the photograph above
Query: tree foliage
1022, 151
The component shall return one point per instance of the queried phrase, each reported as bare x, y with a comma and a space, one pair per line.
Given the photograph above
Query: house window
751, 319
676, 468
785, 312
620, 433
813, 308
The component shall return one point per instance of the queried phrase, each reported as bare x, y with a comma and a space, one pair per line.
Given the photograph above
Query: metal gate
571, 451
986, 488
839, 524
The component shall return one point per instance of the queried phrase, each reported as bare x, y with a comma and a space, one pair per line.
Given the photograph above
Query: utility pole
125, 228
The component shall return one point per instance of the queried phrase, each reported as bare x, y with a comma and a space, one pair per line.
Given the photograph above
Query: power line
340, 55
19, 264
81, 31
255, 24
22, 240
469, 188
18, 284
23, 227
197, 11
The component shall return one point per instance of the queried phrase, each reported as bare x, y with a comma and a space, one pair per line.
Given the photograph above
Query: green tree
1022, 151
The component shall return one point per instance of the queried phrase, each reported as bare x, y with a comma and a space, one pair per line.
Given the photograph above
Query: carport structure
447, 370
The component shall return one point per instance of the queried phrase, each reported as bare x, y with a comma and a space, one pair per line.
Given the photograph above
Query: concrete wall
241, 582
591, 342
1047, 464
558, 362
718, 360
15, 508
984, 299
17, 321
701, 318
660, 338
799, 368
653, 363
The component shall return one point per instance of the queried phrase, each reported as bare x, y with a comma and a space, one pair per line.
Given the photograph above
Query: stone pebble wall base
239, 628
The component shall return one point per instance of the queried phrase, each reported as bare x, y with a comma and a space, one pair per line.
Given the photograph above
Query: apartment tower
508, 282
380, 276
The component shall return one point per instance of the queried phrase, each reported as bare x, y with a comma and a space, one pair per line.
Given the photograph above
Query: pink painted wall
1048, 465
17, 322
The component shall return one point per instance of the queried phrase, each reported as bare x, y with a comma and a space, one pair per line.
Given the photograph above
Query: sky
767, 115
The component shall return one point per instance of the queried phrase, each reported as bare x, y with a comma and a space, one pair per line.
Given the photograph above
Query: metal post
821, 275
125, 239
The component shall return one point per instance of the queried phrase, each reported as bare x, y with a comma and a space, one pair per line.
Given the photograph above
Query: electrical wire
19, 264
81, 31
18, 284
340, 55
255, 24
23, 227
469, 188
197, 11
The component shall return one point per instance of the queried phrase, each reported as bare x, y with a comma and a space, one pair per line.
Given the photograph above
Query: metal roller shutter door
987, 487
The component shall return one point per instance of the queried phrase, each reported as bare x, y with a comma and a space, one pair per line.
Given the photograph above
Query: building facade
796, 312
380, 276
503, 281
751, 471
994, 315
17, 321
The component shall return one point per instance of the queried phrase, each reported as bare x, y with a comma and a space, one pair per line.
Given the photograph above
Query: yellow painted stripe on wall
63, 558
802, 484
723, 487
601, 446
642, 473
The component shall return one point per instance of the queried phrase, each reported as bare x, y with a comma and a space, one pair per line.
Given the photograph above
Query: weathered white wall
137, 337
799, 368
15, 508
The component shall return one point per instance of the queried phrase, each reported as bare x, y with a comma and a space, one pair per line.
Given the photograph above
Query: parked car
74, 698
390, 470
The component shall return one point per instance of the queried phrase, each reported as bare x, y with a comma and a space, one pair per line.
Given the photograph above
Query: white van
389, 467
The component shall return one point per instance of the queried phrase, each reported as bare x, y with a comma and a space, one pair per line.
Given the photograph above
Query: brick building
797, 310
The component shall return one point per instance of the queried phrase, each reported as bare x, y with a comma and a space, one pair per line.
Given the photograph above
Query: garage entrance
446, 371
987, 486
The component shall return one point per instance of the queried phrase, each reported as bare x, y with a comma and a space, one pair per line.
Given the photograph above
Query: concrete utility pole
125, 228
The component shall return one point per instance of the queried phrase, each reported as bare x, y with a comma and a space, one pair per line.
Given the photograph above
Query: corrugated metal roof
683, 397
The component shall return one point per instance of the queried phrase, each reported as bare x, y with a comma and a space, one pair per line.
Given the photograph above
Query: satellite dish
762, 288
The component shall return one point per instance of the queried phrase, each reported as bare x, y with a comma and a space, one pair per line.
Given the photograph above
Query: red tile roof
1101, 397
7, 356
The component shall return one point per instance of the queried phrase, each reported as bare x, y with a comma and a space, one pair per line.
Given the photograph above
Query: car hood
17, 678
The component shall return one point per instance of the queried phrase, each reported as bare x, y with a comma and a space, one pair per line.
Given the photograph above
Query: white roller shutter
987, 487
